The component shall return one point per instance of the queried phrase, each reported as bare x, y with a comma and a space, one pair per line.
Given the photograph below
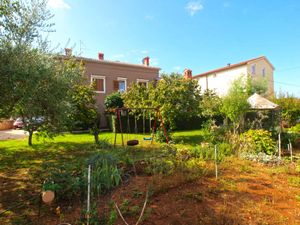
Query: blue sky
200, 35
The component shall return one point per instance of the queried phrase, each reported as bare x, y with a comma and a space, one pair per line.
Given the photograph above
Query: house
220, 79
112, 76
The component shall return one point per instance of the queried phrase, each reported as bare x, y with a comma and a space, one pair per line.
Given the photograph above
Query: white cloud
58, 4
149, 17
144, 52
193, 7
176, 68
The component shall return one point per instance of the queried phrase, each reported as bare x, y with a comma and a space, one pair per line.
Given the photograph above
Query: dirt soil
244, 193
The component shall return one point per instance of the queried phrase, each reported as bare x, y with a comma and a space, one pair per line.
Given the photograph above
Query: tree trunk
30, 138
96, 137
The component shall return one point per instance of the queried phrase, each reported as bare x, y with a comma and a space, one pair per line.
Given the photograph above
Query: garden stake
279, 146
88, 196
291, 150
216, 163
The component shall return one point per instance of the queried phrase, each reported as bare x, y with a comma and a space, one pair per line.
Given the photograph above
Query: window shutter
116, 85
99, 85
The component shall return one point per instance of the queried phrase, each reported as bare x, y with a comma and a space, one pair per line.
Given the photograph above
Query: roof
113, 62
234, 66
258, 102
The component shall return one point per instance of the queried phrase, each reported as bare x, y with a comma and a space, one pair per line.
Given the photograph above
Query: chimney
101, 56
68, 51
187, 74
146, 61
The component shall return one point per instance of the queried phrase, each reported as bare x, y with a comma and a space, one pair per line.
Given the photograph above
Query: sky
200, 35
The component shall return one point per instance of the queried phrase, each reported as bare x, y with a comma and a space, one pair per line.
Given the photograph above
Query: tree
23, 22
46, 90
175, 96
235, 103
114, 100
256, 85
85, 110
290, 107
34, 84
210, 104
21, 26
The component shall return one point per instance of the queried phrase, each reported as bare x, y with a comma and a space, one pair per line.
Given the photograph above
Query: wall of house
220, 82
112, 72
259, 66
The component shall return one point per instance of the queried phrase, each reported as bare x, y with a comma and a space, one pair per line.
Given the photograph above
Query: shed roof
258, 102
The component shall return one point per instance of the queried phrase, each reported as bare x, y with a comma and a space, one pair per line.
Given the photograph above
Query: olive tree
234, 104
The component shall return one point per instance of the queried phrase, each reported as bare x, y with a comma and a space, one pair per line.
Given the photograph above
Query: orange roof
233, 66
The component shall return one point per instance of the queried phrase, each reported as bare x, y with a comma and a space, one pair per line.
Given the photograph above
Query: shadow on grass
190, 140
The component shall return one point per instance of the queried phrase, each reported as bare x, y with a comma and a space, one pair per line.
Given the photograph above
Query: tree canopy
175, 96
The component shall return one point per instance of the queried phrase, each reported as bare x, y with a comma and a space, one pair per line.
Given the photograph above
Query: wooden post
88, 196
216, 162
279, 146
291, 150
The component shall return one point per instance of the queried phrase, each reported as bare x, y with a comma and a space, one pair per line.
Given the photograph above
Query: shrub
160, 135
261, 139
67, 181
105, 173
160, 166
113, 101
295, 128
289, 137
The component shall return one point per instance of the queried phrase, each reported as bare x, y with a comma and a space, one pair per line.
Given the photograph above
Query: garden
175, 154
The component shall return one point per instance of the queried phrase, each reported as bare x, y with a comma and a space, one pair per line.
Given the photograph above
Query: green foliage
295, 128
256, 85
176, 97
160, 135
105, 175
207, 152
210, 104
290, 108
34, 83
22, 22
235, 103
262, 140
114, 100
84, 114
289, 137
66, 180
160, 166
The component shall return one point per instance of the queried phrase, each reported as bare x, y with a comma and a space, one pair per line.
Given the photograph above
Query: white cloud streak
58, 4
193, 7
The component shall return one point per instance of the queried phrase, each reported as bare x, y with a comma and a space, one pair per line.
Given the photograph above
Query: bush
289, 137
113, 101
261, 139
160, 135
67, 181
295, 128
105, 173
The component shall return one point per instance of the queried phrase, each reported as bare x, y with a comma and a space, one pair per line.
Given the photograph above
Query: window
253, 69
99, 82
120, 84
142, 82
263, 72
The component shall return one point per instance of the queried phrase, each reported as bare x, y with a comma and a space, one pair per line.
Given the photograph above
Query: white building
220, 79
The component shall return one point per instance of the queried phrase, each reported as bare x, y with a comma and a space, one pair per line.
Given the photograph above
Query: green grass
16, 154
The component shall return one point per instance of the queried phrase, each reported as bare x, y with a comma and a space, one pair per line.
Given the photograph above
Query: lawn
245, 193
